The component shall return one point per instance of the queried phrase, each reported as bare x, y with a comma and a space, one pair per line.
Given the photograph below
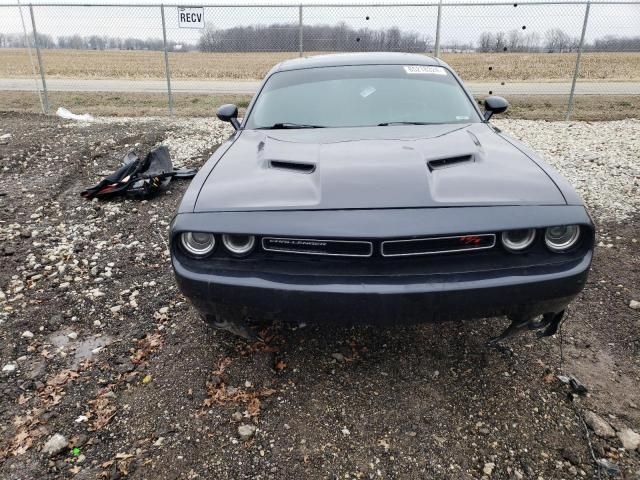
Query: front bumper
398, 299
433, 288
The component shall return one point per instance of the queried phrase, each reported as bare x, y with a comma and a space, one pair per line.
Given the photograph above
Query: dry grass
586, 107
544, 66
121, 104
86, 64
533, 107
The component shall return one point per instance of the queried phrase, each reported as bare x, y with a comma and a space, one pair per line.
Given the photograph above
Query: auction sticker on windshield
425, 69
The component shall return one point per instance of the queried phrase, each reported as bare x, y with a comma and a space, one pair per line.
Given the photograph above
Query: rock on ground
246, 431
488, 468
55, 445
599, 425
630, 439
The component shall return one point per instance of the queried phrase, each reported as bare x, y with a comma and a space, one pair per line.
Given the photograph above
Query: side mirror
229, 113
493, 105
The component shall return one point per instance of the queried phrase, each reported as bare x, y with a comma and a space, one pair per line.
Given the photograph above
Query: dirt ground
97, 345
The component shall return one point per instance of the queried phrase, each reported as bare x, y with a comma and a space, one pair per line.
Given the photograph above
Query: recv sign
191, 17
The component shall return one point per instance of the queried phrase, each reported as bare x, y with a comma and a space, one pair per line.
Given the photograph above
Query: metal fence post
577, 70
437, 45
27, 44
166, 60
40, 66
300, 31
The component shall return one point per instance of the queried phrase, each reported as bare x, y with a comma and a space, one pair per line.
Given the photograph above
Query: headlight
518, 240
239, 245
562, 237
198, 244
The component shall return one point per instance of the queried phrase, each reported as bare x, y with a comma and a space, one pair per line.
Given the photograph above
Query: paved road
249, 87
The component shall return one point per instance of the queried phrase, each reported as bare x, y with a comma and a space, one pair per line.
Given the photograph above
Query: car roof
370, 58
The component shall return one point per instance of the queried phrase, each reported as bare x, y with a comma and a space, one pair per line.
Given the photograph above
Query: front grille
435, 245
309, 246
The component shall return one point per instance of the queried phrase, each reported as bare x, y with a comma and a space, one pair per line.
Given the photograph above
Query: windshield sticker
462, 117
424, 69
367, 91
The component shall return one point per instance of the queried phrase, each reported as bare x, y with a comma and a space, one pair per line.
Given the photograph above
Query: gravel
599, 159
318, 402
187, 139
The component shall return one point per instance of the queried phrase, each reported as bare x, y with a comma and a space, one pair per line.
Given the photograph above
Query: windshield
361, 95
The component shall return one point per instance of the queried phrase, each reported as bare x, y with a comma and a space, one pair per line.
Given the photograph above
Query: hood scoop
449, 162
300, 167
282, 155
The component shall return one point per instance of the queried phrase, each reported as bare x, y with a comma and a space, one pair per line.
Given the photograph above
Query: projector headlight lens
239, 245
562, 237
198, 244
518, 240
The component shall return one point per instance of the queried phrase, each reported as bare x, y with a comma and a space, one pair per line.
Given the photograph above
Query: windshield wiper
279, 126
386, 124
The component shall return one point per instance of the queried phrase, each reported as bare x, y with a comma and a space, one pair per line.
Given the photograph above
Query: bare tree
532, 42
336, 37
612, 43
515, 41
209, 40
428, 43
96, 42
557, 40
501, 42
574, 43
486, 42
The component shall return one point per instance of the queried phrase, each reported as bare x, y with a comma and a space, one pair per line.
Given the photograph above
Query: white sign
191, 17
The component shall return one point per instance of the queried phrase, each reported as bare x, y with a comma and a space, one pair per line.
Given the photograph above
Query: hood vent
448, 162
295, 166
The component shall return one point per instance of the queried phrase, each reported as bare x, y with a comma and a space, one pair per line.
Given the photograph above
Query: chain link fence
572, 57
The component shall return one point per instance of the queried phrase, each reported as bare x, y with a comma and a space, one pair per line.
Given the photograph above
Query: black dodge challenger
371, 187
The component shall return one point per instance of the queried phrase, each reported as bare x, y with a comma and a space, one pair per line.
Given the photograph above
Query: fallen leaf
62, 377
104, 412
146, 346
253, 408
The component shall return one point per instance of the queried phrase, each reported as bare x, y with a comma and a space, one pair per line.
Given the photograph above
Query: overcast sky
459, 22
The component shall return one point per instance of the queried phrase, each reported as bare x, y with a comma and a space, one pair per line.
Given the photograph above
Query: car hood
374, 167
